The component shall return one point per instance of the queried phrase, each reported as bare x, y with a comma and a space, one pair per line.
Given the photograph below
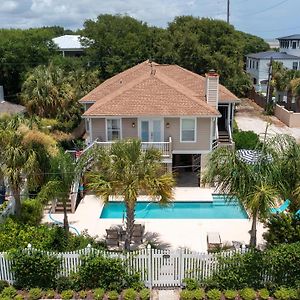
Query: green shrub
214, 294
108, 273
31, 212
82, 294
49, 294
286, 294
98, 294
186, 295
129, 294
248, 294
199, 294
246, 140
34, 269
35, 294
67, 295
18, 297
264, 294
144, 294
63, 283
230, 294
113, 295
3, 284
190, 284
9, 292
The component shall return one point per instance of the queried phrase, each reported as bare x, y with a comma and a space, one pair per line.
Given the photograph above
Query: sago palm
128, 171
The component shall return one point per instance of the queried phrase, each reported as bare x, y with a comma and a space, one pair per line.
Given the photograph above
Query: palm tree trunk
253, 231
130, 210
16, 193
66, 222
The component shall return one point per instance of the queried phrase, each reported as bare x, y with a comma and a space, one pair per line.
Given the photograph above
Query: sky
265, 18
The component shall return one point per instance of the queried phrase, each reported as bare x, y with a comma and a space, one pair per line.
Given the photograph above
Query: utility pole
269, 81
228, 10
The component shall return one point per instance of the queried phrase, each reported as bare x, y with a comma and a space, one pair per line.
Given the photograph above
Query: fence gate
166, 268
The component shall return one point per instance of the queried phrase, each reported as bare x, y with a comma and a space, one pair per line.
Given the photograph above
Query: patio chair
281, 208
138, 233
112, 239
297, 213
213, 241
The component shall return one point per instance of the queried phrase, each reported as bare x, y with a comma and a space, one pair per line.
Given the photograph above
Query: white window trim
195, 132
151, 119
106, 127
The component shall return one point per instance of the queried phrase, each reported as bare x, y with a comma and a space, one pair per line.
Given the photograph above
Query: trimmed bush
67, 295
35, 294
248, 294
34, 269
18, 297
214, 294
31, 212
108, 273
82, 294
186, 295
3, 284
264, 294
286, 294
246, 140
98, 294
113, 295
144, 294
129, 294
63, 283
230, 294
199, 294
190, 284
9, 292
50, 294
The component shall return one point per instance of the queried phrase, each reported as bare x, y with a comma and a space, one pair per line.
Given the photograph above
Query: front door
151, 130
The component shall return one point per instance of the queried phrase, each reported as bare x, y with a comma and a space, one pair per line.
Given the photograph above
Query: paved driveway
249, 116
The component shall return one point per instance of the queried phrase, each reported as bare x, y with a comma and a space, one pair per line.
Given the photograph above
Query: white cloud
8, 6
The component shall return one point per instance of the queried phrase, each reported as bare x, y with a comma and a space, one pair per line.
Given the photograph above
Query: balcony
164, 147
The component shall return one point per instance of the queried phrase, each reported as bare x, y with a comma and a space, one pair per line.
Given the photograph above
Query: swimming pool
218, 209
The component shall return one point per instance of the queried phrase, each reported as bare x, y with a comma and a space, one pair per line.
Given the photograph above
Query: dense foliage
281, 263
34, 269
16, 235
282, 228
246, 140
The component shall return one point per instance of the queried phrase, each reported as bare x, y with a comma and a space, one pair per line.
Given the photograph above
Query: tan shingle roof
146, 90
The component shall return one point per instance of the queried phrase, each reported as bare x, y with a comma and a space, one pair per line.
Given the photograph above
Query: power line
264, 10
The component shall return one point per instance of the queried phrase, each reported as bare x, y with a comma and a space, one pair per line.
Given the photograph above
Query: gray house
183, 114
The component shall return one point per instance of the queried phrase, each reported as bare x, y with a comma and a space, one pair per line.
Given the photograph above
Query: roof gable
153, 89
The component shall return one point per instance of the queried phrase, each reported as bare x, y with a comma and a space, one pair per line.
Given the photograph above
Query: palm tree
24, 154
62, 176
126, 170
251, 184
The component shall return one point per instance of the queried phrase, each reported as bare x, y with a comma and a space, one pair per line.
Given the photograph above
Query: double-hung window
113, 129
188, 130
295, 65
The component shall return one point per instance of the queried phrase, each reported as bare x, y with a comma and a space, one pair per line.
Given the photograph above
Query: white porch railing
164, 147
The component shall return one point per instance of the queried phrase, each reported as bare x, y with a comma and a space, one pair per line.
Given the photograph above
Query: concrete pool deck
189, 233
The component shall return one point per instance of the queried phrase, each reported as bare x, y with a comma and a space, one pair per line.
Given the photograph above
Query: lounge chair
112, 239
213, 241
138, 234
297, 213
281, 208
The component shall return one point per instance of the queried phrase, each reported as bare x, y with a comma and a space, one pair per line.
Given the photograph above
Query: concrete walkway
166, 294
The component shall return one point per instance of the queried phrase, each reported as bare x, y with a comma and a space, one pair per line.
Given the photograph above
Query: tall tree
253, 185
127, 170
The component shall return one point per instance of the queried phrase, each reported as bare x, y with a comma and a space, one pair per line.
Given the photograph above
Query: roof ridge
183, 90
113, 79
118, 92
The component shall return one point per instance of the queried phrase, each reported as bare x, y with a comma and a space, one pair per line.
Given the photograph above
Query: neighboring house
183, 114
257, 64
8, 107
69, 45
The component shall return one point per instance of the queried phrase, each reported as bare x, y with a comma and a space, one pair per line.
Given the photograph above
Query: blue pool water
218, 209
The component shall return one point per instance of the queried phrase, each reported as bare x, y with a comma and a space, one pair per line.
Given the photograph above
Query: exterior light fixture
168, 125
133, 124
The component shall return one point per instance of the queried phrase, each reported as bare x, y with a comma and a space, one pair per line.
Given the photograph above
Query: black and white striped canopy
252, 157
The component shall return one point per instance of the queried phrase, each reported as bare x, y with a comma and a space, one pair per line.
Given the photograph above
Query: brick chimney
212, 88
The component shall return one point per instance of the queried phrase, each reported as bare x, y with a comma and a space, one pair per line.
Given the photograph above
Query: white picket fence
158, 268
